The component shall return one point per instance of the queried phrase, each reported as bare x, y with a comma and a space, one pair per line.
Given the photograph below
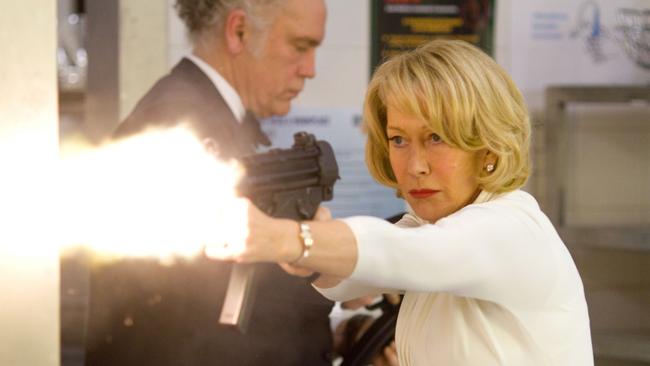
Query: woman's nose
418, 163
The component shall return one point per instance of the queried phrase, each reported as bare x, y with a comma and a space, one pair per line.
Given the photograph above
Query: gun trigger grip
304, 209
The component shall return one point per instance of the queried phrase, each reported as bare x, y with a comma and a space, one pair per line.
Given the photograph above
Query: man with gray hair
250, 59
249, 56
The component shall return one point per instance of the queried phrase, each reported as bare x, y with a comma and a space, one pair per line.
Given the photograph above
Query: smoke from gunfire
159, 194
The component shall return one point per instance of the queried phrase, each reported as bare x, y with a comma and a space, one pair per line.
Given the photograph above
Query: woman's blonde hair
465, 97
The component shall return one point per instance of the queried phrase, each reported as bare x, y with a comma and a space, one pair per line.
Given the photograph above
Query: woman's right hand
253, 236
262, 238
322, 214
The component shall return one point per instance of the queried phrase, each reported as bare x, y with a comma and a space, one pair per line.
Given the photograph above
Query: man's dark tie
252, 127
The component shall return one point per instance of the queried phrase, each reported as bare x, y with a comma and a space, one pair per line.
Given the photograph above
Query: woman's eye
396, 140
435, 138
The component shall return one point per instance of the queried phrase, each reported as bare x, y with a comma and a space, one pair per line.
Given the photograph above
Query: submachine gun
284, 183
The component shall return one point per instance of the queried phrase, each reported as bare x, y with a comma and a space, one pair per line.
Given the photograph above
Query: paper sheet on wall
357, 193
582, 42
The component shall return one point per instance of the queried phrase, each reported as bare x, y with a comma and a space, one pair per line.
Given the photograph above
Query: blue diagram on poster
577, 42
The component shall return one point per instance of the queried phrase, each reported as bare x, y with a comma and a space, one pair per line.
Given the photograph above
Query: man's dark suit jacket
143, 313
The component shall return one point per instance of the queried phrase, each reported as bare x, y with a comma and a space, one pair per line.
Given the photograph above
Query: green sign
401, 25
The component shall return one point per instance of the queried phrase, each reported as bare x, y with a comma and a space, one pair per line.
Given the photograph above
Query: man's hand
388, 357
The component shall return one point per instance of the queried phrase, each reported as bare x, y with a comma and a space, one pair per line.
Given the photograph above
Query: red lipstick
422, 193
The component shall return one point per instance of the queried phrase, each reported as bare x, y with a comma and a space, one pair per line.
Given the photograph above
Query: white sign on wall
583, 42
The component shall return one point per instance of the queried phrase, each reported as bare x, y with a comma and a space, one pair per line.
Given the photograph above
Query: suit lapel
232, 137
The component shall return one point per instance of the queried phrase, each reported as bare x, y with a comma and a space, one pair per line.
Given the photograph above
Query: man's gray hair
201, 15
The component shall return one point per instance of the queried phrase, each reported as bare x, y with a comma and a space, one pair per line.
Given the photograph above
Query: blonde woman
485, 276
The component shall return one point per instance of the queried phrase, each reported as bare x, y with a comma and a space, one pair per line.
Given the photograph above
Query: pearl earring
489, 168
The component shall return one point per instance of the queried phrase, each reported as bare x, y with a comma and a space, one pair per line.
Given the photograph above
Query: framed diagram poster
576, 42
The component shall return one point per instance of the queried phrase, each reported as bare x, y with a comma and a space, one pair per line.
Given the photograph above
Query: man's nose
418, 162
307, 67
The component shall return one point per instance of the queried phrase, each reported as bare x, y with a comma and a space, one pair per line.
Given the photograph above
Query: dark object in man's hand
378, 336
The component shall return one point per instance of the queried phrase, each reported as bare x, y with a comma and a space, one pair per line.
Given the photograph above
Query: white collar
228, 93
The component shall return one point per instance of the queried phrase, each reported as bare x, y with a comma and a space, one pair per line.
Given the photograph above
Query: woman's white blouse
491, 284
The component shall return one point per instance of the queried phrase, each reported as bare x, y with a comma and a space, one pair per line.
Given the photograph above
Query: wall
144, 45
29, 279
610, 180
127, 46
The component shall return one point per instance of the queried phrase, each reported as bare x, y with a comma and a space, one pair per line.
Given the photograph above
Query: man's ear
235, 30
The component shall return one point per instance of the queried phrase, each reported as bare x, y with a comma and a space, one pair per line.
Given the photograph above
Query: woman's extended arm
334, 253
490, 251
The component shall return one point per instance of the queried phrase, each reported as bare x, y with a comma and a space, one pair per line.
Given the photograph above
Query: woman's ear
235, 30
489, 161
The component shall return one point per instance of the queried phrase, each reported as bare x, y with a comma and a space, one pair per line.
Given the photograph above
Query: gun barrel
297, 152
276, 181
